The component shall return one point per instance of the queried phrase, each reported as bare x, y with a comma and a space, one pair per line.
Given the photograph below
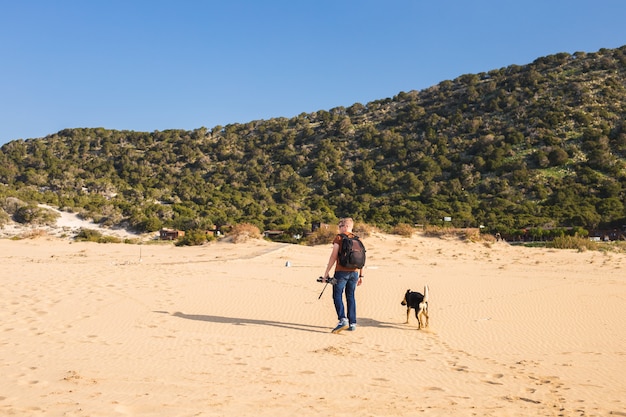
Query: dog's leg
408, 313
417, 316
424, 314
424, 307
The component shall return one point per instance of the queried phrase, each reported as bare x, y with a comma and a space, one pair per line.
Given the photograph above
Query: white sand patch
67, 225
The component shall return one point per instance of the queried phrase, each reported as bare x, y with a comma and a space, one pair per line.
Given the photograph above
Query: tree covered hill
538, 145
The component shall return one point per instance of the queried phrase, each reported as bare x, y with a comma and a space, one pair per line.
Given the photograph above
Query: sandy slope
67, 225
228, 329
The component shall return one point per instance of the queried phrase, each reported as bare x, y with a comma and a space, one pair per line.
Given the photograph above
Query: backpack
352, 252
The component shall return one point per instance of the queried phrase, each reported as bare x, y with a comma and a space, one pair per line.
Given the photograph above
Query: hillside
539, 145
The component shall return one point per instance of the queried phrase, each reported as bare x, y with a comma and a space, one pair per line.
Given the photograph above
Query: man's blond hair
347, 221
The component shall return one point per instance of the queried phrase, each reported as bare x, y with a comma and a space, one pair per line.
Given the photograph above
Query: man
347, 279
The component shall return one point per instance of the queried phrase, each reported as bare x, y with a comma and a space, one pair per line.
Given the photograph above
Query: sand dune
228, 329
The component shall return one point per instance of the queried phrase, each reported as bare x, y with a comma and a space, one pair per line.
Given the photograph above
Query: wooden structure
170, 234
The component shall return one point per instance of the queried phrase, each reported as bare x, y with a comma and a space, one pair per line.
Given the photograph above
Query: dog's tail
425, 293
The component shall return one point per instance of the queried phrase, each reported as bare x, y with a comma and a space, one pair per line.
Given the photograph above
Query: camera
331, 280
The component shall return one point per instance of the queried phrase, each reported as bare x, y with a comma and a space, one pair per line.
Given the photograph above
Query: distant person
346, 279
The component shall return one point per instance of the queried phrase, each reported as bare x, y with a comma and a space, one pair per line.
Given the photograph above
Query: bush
470, 234
90, 235
436, 231
243, 232
325, 235
363, 229
109, 239
474, 235
403, 229
11, 204
4, 217
150, 224
573, 242
31, 214
195, 237
322, 236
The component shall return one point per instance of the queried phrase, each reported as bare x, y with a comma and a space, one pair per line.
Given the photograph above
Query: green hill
538, 145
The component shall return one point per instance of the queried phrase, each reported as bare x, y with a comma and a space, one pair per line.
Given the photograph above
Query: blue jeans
347, 281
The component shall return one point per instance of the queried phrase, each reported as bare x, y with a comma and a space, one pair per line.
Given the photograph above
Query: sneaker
352, 327
342, 325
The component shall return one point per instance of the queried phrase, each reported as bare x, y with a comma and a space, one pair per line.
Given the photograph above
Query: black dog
418, 302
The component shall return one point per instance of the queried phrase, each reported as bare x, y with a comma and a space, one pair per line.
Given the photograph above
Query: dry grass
325, 235
364, 230
573, 242
32, 234
321, 236
243, 232
403, 229
468, 234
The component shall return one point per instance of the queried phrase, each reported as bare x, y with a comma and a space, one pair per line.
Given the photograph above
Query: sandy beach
229, 329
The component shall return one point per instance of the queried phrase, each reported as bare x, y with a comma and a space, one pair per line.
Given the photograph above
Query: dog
418, 302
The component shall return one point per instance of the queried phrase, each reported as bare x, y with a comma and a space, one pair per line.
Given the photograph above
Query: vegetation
573, 242
540, 146
243, 232
403, 229
195, 237
467, 234
321, 236
90, 235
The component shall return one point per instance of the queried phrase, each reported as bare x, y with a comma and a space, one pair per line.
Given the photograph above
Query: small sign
447, 219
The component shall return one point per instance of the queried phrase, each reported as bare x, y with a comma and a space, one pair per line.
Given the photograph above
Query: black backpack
352, 252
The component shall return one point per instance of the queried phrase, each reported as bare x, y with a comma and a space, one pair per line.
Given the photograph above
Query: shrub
470, 234
11, 204
403, 229
322, 236
325, 235
243, 232
90, 235
4, 218
474, 235
363, 229
150, 224
436, 231
194, 237
109, 239
31, 214
573, 242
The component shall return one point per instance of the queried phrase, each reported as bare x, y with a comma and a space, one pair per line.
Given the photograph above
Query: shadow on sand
364, 322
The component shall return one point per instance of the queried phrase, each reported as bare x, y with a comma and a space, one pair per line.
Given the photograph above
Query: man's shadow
364, 322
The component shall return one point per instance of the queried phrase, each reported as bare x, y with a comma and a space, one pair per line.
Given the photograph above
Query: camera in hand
331, 280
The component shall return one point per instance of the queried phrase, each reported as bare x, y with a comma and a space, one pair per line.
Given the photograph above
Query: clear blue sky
148, 65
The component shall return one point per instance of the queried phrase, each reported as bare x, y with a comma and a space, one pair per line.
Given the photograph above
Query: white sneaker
342, 325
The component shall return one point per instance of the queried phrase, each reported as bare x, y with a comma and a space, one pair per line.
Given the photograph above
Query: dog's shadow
363, 322
366, 322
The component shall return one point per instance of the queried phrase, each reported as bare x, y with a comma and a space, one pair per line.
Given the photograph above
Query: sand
227, 329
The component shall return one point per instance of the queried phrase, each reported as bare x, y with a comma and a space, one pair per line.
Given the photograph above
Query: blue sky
148, 65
